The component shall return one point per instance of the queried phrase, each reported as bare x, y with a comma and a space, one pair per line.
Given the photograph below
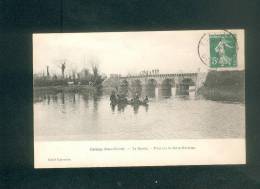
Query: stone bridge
138, 83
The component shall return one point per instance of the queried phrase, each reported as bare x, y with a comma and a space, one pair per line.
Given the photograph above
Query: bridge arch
166, 86
183, 87
152, 82
150, 87
188, 81
136, 87
168, 83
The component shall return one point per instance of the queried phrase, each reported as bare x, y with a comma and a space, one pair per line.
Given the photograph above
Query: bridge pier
165, 91
182, 89
164, 84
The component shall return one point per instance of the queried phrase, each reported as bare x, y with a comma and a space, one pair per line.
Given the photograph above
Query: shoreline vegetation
81, 81
226, 86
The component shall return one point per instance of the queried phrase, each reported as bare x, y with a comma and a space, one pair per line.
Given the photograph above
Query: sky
119, 52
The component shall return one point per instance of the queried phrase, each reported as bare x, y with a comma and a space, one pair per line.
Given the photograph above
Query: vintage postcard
147, 98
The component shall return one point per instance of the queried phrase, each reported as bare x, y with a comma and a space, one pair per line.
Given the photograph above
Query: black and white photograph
130, 94
141, 86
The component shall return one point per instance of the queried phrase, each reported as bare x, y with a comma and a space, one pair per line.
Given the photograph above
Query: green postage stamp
223, 51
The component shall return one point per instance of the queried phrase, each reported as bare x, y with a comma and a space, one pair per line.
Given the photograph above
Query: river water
74, 116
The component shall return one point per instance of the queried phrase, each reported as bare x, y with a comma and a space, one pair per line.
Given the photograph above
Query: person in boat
113, 98
124, 99
136, 99
121, 99
146, 100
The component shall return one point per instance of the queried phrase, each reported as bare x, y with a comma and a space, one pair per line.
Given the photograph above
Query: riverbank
224, 86
67, 88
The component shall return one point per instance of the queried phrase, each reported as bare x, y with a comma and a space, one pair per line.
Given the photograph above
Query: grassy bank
224, 86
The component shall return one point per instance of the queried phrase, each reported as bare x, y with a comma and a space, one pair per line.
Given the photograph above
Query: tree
63, 67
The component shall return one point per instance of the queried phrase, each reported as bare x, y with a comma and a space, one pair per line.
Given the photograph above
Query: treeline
224, 86
84, 77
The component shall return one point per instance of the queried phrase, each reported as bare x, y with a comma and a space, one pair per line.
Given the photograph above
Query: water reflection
95, 103
151, 92
146, 107
54, 98
166, 93
113, 107
85, 98
92, 115
49, 98
121, 107
136, 108
73, 99
96, 98
62, 98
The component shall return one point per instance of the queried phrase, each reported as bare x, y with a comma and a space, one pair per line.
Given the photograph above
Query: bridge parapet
160, 78
159, 75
